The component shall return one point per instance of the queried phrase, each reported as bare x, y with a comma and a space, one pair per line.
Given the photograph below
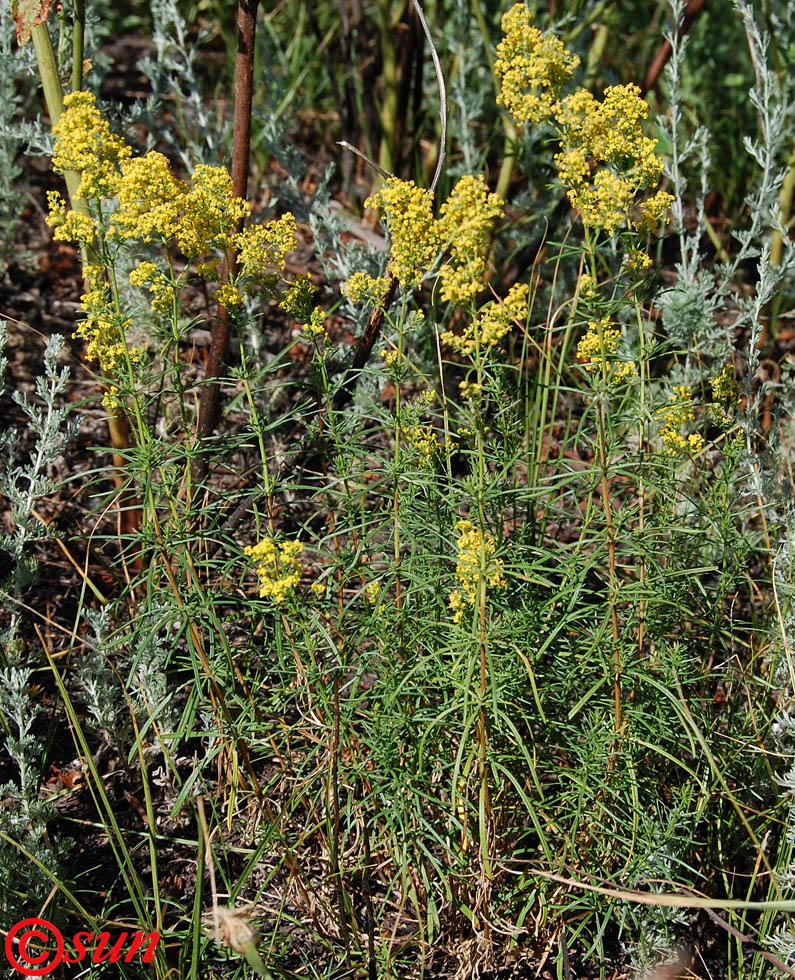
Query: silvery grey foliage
24, 482
470, 88
172, 74
689, 306
22, 814
270, 119
16, 66
103, 698
142, 655
701, 314
26, 478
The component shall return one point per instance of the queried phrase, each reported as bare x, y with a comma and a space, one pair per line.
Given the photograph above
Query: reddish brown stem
219, 342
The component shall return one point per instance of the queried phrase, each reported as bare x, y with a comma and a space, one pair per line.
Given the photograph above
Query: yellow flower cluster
297, 300
103, 328
316, 324
492, 323
362, 286
85, 144
263, 249
475, 561
200, 216
471, 390
147, 273
150, 199
228, 296
211, 213
599, 349
390, 356
465, 223
675, 415
725, 397
675, 443
424, 441
605, 160
277, 567
587, 288
637, 260
726, 387
69, 226
532, 67
413, 229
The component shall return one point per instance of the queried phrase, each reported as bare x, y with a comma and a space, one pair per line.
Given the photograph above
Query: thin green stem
78, 38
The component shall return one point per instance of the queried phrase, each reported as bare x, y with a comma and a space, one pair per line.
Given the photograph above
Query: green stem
78, 38
396, 513
389, 72
484, 806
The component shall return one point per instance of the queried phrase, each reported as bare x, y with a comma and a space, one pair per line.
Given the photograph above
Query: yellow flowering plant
136, 202
277, 566
427, 611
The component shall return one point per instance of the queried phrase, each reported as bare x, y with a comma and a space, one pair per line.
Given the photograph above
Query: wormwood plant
459, 678
29, 858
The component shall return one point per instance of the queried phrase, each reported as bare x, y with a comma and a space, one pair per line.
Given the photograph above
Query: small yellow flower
85, 144
297, 301
210, 212
725, 387
372, 591
493, 322
111, 401
588, 288
316, 325
599, 349
147, 273
532, 68
424, 441
465, 225
470, 390
637, 260
676, 414
679, 410
725, 397
208, 269
390, 356
150, 200
228, 296
362, 286
655, 210
103, 328
475, 564
414, 231
70, 226
263, 249
277, 567
606, 161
